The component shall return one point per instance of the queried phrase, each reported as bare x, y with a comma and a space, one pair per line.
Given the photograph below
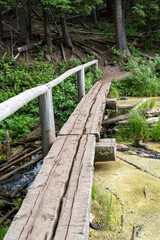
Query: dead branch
20, 159
87, 50
35, 160
139, 168
122, 206
61, 45
7, 215
92, 48
147, 56
133, 233
37, 14
10, 28
29, 149
140, 103
85, 25
144, 191
120, 118
125, 107
7, 144
91, 33
29, 46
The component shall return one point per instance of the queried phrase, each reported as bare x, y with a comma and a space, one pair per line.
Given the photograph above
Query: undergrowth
20, 76
145, 78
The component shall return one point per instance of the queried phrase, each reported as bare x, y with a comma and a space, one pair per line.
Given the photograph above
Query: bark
24, 36
67, 39
47, 33
121, 42
29, 24
1, 28
94, 15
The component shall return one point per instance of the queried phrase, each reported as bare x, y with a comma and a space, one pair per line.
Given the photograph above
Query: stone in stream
105, 150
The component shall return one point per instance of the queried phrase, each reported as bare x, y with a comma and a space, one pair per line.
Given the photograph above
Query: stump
105, 150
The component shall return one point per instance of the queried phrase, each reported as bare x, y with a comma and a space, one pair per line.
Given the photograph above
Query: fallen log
125, 107
10, 28
116, 119
8, 175
29, 46
139, 104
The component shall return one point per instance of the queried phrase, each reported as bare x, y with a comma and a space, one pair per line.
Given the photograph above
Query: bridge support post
47, 120
81, 84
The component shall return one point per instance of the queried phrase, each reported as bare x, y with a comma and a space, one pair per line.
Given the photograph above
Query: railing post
81, 84
96, 65
47, 120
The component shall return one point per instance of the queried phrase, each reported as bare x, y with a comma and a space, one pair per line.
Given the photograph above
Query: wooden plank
74, 217
93, 125
41, 206
77, 121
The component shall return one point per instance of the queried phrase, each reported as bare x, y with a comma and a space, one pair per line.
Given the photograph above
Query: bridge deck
57, 204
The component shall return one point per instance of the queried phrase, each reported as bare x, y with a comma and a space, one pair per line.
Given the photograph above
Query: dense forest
41, 39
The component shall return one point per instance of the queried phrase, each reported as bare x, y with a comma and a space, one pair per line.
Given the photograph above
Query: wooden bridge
57, 205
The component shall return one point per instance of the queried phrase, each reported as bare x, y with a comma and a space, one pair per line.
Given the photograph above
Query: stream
127, 193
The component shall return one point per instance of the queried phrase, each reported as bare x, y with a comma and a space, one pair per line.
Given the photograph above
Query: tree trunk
29, 22
94, 15
67, 39
47, 33
1, 29
24, 36
121, 42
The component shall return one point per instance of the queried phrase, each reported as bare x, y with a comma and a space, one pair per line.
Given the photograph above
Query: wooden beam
105, 150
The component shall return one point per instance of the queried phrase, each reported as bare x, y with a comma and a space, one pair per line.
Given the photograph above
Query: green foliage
144, 81
138, 127
146, 105
94, 194
109, 205
155, 131
72, 6
22, 76
3, 232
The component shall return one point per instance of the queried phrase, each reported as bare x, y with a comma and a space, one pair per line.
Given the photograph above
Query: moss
128, 183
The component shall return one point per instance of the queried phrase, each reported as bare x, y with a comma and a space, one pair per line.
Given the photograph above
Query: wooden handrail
45, 102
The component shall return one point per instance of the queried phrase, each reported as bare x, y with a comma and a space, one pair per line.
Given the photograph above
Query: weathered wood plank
74, 218
105, 150
77, 121
94, 121
41, 206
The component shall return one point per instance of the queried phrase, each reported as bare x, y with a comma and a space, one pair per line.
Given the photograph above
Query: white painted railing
44, 93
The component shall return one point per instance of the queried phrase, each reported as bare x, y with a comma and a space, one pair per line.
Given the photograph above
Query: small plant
109, 205
152, 103
138, 127
155, 131
94, 194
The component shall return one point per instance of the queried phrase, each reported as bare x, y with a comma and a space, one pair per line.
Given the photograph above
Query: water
21, 180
